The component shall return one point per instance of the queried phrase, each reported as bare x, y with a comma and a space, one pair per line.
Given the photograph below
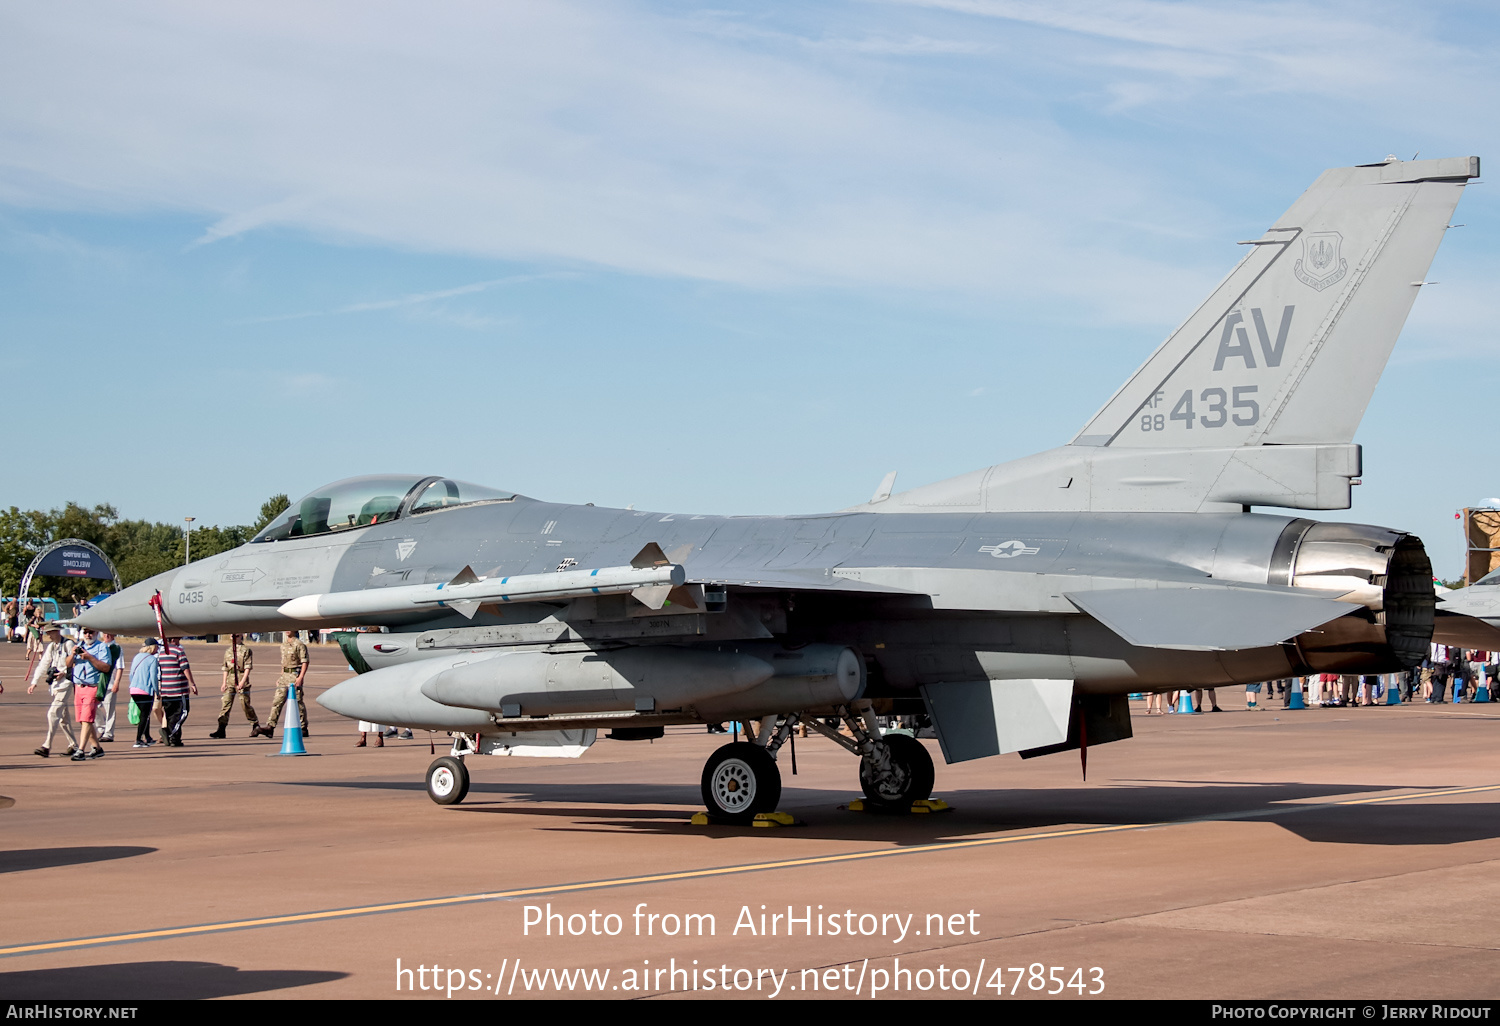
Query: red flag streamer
155, 604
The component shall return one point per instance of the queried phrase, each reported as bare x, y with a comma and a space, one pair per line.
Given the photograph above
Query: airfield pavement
1338, 853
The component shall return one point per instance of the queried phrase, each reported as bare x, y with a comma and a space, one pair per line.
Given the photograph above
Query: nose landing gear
447, 781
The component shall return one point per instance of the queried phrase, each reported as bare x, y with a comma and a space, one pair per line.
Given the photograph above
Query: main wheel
740, 780
447, 781
910, 779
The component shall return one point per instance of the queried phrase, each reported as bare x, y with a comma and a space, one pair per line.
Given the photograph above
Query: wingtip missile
467, 591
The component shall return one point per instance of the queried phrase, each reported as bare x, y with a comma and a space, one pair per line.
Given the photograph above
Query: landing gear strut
895, 771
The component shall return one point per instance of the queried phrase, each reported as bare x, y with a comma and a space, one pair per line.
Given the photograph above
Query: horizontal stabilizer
1209, 619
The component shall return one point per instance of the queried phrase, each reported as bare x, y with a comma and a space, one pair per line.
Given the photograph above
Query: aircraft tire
740, 780
447, 781
913, 779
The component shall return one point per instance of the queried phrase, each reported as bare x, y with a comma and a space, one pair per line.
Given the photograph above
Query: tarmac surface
1326, 853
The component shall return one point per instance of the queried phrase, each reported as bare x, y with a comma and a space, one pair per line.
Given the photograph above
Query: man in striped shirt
176, 684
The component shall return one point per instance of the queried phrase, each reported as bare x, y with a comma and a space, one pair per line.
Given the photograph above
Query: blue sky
720, 259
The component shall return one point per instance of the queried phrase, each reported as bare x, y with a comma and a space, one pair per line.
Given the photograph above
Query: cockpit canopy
361, 501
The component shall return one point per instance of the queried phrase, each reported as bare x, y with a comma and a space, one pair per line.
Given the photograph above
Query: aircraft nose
129, 611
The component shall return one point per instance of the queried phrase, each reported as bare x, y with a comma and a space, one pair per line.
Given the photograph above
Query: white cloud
418, 299
715, 147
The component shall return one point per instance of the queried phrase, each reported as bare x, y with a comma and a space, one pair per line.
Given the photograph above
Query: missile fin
684, 599
652, 596
649, 556
464, 576
467, 607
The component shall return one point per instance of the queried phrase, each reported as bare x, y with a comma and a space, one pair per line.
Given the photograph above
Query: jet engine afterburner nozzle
1385, 571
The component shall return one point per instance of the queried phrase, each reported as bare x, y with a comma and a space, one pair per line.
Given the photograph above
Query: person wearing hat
53, 670
145, 681
88, 661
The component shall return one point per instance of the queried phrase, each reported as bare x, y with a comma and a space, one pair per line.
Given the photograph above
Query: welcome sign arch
70, 557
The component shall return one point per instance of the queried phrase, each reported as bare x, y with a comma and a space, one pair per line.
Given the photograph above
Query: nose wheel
447, 781
740, 780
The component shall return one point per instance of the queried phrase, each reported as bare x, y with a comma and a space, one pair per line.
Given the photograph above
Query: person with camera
53, 668
88, 663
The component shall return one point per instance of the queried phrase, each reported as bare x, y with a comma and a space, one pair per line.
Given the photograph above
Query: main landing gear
741, 779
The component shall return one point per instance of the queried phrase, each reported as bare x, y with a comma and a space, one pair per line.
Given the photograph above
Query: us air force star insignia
404, 549
1010, 549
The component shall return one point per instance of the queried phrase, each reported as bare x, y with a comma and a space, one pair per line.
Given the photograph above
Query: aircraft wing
798, 580
1208, 619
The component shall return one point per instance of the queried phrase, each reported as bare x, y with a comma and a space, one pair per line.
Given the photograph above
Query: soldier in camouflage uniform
293, 671
239, 660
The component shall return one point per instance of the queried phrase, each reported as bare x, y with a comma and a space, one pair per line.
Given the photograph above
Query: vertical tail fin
1255, 399
1289, 347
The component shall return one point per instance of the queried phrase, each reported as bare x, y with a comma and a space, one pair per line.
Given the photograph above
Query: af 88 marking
1235, 405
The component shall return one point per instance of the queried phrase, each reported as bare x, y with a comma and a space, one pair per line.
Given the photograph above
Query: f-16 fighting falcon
1014, 607
1470, 617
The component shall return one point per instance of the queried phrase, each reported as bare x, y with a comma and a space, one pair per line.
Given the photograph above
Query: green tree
142, 549
270, 510
22, 534
210, 541
139, 548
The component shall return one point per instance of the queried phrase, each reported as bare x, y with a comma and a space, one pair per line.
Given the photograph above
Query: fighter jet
1470, 617
1013, 608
